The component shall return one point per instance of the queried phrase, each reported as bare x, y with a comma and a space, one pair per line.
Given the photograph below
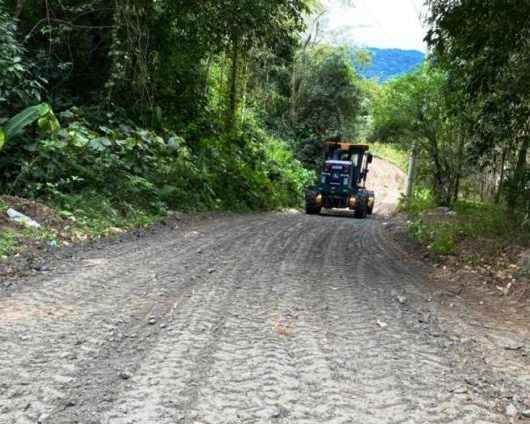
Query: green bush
8, 243
489, 220
94, 214
245, 170
248, 169
443, 240
421, 201
440, 238
468, 221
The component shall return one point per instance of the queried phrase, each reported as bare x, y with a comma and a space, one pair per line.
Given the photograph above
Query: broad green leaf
28, 116
2, 138
49, 123
99, 144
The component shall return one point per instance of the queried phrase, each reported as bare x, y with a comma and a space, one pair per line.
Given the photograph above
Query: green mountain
390, 63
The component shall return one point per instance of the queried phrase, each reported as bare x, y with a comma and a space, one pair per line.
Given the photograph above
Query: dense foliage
414, 110
326, 100
485, 49
17, 88
465, 112
158, 102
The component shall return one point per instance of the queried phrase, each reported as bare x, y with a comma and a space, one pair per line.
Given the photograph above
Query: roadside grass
444, 231
8, 239
3, 207
91, 215
392, 153
72, 218
8, 243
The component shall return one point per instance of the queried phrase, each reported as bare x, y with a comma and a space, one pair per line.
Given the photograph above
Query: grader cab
342, 182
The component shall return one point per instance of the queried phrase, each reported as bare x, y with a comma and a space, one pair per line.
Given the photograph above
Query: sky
375, 23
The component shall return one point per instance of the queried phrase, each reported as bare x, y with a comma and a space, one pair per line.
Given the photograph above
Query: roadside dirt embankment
388, 182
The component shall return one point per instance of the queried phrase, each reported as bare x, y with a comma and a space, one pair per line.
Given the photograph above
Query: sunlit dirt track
267, 318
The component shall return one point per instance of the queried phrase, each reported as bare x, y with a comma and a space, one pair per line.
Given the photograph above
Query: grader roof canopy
346, 147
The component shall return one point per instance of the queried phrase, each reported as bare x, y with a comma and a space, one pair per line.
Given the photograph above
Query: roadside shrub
249, 169
128, 165
8, 243
421, 201
443, 240
440, 238
95, 214
442, 231
485, 219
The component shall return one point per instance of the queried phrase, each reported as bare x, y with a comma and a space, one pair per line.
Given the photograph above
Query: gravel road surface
266, 318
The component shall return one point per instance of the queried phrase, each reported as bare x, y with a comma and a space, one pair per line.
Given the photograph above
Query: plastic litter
20, 218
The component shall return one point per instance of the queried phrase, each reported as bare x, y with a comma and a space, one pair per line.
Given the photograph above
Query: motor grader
342, 182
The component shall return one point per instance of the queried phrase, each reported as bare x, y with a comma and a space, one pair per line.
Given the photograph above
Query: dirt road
267, 318
389, 182
248, 319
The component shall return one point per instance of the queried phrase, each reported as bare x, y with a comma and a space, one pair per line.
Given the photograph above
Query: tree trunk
19, 8
206, 87
520, 173
296, 80
460, 167
411, 171
441, 191
456, 188
130, 54
294, 94
501, 177
231, 110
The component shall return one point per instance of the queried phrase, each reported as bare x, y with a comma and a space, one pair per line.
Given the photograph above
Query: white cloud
376, 23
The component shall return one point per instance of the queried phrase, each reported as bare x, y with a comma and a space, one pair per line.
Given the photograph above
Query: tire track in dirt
260, 318
191, 349
86, 310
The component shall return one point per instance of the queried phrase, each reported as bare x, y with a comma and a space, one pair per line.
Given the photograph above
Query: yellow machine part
346, 146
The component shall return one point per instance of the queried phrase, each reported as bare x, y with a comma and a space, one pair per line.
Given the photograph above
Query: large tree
413, 110
152, 57
485, 48
240, 26
328, 93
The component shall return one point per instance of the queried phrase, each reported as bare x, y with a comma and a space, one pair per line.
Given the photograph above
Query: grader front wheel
361, 212
312, 210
